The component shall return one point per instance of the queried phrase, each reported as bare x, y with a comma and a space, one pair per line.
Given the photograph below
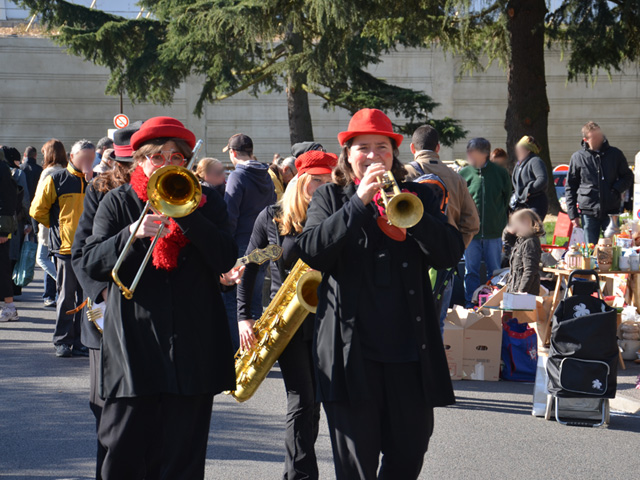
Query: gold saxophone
274, 330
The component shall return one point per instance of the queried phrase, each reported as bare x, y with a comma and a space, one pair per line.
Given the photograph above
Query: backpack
519, 351
437, 185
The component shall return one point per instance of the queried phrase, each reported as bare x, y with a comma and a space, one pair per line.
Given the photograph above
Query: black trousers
396, 421
96, 403
6, 283
303, 412
67, 330
155, 437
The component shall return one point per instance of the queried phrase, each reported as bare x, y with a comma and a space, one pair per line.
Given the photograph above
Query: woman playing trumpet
379, 356
167, 351
281, 224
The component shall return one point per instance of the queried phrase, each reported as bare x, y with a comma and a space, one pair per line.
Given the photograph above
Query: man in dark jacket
249, 191
8, 206
31, 169
598, 176
490, 187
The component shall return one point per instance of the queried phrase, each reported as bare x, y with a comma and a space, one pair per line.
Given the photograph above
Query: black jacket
266, 232
524, 275
334, 243
33, 171
596, 181
92, 289
530, 178
8, 200
173, 336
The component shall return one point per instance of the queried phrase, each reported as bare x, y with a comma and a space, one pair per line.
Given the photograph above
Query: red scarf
165, 255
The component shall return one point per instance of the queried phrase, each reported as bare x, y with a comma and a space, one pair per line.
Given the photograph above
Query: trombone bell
174, 191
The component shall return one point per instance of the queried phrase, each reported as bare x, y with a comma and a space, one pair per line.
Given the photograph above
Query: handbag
519, 351
25, 266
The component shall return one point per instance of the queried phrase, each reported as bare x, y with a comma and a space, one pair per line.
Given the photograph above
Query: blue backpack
437, 185
519, 351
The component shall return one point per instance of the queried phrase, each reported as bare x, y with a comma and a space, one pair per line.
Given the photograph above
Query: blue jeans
592, 227
231, 304
489, 250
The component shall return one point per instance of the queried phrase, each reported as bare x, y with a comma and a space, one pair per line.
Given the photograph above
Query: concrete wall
47, 93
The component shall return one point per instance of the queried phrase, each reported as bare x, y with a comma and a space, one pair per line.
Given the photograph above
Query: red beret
162, 127
315, 162
369, 121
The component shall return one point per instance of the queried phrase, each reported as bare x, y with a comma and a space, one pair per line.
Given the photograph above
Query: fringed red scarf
165, 255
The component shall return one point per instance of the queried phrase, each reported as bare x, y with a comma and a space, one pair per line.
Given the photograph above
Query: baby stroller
583, 356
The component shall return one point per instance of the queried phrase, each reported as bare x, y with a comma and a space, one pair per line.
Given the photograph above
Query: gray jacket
530, 178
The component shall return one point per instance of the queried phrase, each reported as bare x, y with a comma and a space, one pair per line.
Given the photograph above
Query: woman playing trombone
379, 356
167, 351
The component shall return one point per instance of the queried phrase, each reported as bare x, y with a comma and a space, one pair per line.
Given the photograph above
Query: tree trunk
528, 106
300, 126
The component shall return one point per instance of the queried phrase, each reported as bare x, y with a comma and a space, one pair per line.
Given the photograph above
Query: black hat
240, 143
298, 149
122, 142
11, 155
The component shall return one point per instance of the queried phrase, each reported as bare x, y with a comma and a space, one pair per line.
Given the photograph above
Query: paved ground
47, 430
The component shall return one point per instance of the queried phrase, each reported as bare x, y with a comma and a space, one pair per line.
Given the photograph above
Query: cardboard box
519, 301
453, 345
481, 343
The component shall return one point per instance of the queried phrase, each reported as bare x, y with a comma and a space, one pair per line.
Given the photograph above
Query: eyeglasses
161, 159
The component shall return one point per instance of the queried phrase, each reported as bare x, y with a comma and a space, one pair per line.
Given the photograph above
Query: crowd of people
371, 356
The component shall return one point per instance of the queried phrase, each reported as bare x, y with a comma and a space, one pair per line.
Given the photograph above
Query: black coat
524, 275
9, 201
596, 181
92, 289
33, 171
266, 232
530, 178
173, 336
334, 243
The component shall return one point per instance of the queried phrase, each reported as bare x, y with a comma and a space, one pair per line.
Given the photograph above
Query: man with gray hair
58, 205
103, 144
490, 187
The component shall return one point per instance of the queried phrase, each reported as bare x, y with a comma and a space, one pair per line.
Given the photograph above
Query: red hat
369, 121
315, 162
162, 127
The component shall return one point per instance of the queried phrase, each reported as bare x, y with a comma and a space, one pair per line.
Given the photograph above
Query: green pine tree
257, 46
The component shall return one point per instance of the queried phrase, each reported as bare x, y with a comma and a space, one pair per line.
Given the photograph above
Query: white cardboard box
519, 301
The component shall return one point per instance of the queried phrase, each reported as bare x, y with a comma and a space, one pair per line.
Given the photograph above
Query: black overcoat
334, 242
173, 336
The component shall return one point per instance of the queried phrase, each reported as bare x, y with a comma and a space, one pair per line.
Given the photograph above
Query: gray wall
47, 93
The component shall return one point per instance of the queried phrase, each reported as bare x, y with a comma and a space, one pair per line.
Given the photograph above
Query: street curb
624, 404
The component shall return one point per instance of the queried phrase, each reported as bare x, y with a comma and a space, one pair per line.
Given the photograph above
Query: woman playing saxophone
281, 224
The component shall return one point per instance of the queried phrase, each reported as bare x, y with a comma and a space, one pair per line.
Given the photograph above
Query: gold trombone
404, 210
174, 192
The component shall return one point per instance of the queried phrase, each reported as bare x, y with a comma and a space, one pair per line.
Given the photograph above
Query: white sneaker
9, 315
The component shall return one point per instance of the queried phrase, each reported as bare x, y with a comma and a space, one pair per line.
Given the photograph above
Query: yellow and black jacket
58, 204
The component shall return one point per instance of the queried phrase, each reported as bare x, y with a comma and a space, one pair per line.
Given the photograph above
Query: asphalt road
47, 430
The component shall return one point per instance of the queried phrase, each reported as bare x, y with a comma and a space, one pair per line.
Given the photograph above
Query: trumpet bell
174, 191
404, 210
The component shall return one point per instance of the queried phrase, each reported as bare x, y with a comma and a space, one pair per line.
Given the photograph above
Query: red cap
162, 127
315, 162
369, 121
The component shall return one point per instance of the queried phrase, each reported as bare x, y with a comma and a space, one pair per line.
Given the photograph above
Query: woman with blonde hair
281, 224
210, 172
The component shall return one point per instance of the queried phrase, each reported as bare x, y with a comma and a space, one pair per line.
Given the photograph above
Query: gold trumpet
404, 210
174, 192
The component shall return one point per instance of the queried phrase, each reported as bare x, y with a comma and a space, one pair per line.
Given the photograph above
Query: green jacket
490, 188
